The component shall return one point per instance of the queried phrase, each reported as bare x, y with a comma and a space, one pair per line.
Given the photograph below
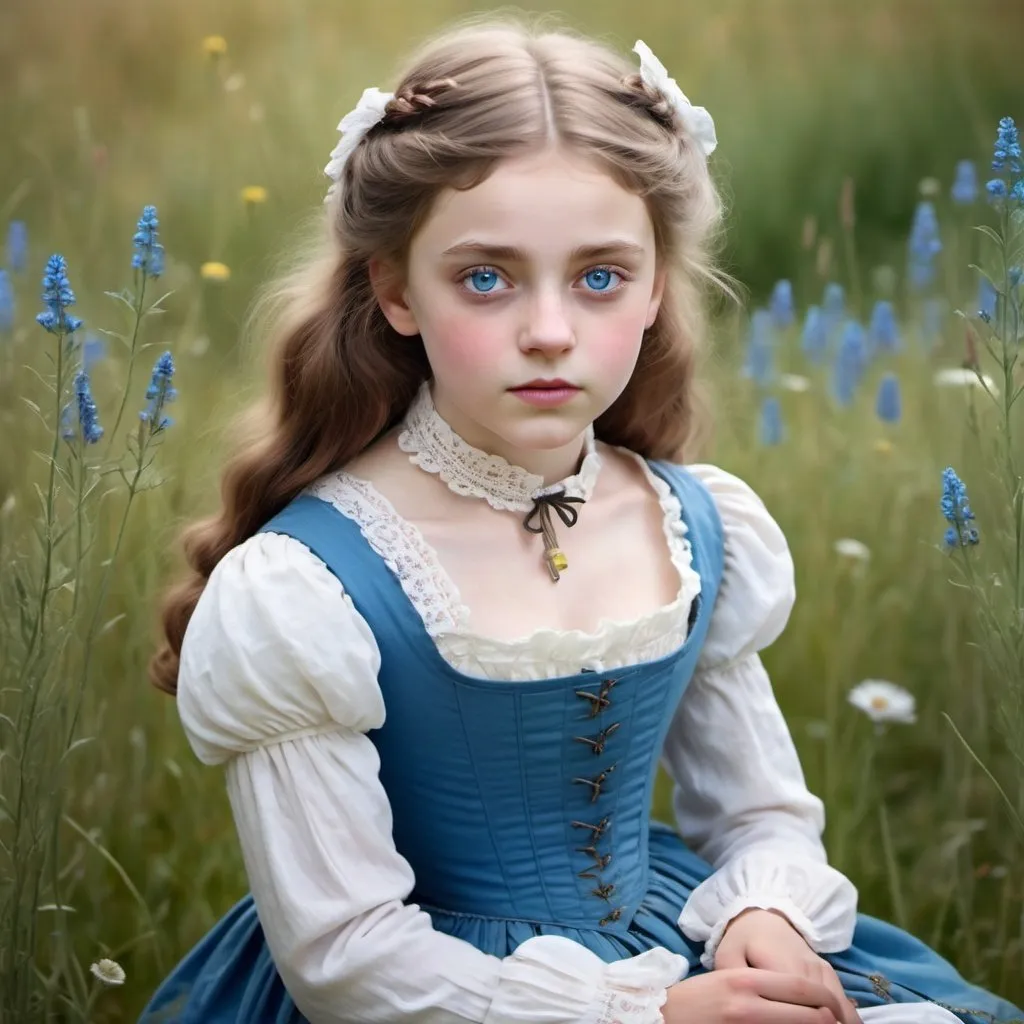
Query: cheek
614, 341
464, 340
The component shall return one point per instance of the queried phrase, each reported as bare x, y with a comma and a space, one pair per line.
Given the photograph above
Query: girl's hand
750, 996
766, 940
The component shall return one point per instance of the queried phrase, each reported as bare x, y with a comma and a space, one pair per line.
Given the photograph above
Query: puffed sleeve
278, 680
740, 798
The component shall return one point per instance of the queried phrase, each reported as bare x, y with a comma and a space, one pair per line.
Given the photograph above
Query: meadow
841, 128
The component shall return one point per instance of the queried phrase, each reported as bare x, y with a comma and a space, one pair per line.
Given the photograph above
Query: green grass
109, 109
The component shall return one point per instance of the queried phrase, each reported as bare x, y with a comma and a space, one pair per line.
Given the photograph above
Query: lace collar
436, 448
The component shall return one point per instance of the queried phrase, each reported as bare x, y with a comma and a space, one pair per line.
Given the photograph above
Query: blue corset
517, 800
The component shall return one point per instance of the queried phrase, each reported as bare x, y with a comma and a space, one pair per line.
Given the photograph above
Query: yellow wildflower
215, 271
254, 194
883, 446
215, 46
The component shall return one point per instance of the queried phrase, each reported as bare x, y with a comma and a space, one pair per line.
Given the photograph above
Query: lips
545, 385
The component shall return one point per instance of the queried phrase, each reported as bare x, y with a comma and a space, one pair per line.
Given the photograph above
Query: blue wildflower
850, 362
781, 305
883, 329
1006, 162
814, 339
88, 417
1006, 155
956, 510
6, 302
149, 253
760, 347
833, 306
17, 246
1014, 276
965, 183
923, 246
888, 405
57, 297
159, 394
996, 188
988, 299
771, 421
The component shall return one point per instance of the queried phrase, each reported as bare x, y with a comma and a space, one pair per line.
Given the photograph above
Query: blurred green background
109, 105
804, 93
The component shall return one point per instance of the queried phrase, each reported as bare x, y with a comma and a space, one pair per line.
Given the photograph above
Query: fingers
798, 991
831, 980
779, 1013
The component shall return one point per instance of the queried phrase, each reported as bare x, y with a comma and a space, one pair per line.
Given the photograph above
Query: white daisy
854, 549
883, 702
794, 382
110, 972
961, 377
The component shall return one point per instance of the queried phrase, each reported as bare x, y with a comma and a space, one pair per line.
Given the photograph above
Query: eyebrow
615, 246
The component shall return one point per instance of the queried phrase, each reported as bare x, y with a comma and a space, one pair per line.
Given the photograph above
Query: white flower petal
794, 382
960, 377
697, 120
110, 972
850, 548
883, 701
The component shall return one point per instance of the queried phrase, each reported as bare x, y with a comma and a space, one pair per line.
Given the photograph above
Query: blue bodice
525, 800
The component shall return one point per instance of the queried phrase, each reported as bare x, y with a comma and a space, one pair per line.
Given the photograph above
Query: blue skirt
230, 978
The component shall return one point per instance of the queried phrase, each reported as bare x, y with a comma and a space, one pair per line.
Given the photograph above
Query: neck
552, 464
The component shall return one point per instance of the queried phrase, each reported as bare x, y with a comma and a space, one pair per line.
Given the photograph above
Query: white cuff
819, 902
550, 979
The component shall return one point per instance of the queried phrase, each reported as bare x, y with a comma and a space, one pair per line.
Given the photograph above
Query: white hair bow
368, 112
697, 120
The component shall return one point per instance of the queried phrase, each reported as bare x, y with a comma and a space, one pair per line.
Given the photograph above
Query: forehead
544, 203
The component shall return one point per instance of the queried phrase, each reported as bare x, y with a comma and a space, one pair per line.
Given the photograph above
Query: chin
542, 433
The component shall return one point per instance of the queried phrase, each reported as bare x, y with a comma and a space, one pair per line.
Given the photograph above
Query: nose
549, 329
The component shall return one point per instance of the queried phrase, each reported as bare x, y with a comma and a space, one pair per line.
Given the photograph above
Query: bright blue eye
483, 280
600, 278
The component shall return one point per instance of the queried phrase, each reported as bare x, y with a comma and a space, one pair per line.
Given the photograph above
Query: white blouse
278, 680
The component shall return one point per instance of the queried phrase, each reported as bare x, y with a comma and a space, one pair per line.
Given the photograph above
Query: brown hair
340, 375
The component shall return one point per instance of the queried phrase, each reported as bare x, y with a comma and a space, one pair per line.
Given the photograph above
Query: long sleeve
278, 681
740, 798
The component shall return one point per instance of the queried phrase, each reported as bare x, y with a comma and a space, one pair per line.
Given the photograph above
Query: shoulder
758, 587
274, 647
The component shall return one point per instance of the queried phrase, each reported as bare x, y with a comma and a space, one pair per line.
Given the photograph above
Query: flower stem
892, 869
27, 717
133, 352
100, 602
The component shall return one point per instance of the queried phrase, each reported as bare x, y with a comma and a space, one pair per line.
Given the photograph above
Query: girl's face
547, 270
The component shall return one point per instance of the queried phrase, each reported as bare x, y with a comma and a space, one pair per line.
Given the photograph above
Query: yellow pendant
557, 562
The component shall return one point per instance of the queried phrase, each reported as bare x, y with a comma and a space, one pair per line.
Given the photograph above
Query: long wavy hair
340, 376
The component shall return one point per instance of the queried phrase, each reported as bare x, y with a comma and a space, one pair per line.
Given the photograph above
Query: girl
463, 594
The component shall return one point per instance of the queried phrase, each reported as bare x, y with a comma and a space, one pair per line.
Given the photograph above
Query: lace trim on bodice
436, 448
402, 546
543, 652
